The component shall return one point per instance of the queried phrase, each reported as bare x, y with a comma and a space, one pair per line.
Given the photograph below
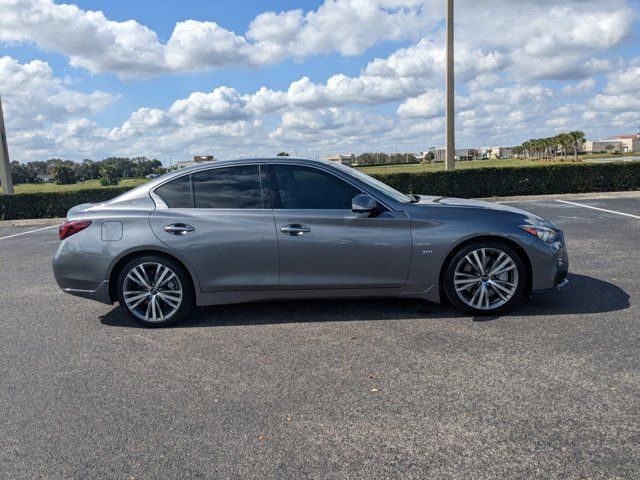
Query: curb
31, 221
564, 196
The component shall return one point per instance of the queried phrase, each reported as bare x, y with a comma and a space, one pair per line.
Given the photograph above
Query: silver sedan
262, 229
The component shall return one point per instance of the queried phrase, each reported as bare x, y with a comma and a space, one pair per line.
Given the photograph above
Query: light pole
450, 110
5, 167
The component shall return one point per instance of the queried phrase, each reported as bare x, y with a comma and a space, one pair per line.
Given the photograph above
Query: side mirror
364, 204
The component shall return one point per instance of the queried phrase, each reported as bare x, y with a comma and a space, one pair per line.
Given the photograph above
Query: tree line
108, 170
547, 148
380, 158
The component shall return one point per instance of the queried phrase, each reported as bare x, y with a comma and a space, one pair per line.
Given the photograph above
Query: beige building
348, 160
196, 160
615, 144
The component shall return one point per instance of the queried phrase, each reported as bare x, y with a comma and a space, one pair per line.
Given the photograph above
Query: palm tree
564, 140
577, 138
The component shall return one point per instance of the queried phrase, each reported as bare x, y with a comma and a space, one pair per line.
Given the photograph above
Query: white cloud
581, 87
505, 34
509, 56
624, 81
33, 96
130, 49
427, 105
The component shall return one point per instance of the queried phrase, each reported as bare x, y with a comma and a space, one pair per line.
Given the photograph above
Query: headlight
546, 234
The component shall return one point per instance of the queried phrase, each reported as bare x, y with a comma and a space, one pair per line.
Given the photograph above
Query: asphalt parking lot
332, 389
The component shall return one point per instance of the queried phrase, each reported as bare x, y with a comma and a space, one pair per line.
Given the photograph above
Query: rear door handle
178, 229
295, 229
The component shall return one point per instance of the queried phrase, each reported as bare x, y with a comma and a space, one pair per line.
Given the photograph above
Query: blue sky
172, 79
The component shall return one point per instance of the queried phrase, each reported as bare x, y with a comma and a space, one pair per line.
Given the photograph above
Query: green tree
577, 139
109, 175
23, 172
64, 174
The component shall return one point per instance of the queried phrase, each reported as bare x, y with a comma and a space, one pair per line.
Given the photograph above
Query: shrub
51, 204
469, 183
109, 175
109, 182
513, 181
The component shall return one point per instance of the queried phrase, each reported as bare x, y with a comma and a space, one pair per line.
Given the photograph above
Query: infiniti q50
264, 229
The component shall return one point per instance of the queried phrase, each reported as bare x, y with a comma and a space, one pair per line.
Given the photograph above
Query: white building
461, 154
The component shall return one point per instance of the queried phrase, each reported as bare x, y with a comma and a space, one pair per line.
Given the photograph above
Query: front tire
485, 278
154, 290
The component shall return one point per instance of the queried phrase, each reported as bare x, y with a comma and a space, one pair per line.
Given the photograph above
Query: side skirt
225, 298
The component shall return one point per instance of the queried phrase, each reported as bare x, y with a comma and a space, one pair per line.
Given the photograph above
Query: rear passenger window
177, 193
230, 187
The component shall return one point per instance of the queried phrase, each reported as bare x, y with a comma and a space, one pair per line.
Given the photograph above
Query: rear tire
154, 290
485, 277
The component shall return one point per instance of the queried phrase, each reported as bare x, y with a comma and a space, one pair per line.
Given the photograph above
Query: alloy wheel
152, 292
486, 278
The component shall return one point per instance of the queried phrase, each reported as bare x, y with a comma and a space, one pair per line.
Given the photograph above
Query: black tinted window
308, 188
232, 187
176, 193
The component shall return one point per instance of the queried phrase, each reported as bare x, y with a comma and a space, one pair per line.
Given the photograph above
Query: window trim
162, 205
273, 184
267, 166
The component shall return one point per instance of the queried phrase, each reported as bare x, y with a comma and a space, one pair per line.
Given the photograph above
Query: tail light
70, 228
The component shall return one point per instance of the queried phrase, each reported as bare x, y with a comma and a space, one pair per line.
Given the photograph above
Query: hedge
514, 181
468, 183
52, 204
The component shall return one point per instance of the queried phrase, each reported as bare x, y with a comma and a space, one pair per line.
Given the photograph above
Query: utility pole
450, 110
5, 167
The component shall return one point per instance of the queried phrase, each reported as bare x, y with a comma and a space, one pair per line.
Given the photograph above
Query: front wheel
485, 278
154, 290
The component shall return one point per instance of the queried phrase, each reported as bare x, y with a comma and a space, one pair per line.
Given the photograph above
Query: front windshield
377, 184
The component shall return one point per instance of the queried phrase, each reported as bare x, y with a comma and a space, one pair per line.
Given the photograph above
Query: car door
323, 244
216, 219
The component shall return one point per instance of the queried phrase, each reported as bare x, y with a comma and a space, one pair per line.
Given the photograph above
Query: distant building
461, 154
348, 160
196, 160
496, 152
615, 144
44, 177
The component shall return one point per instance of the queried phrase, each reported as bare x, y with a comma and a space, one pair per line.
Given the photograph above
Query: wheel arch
494, 238
122, 261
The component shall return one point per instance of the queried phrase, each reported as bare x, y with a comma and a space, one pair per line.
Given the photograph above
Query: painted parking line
600, 209
28, 232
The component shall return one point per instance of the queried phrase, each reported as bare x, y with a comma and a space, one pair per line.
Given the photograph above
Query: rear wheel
485, 278
154, 290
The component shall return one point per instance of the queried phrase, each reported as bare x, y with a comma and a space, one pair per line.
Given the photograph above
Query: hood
430, 200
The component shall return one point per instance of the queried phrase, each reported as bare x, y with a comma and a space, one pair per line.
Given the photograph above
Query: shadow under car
583, 295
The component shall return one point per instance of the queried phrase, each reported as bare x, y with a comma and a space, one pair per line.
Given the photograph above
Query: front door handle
178, 229
295, 229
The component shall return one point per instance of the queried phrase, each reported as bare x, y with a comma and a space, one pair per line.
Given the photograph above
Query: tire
485, 287
158, 291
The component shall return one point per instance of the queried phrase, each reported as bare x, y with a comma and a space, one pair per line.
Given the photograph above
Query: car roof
205, 165
153, 183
